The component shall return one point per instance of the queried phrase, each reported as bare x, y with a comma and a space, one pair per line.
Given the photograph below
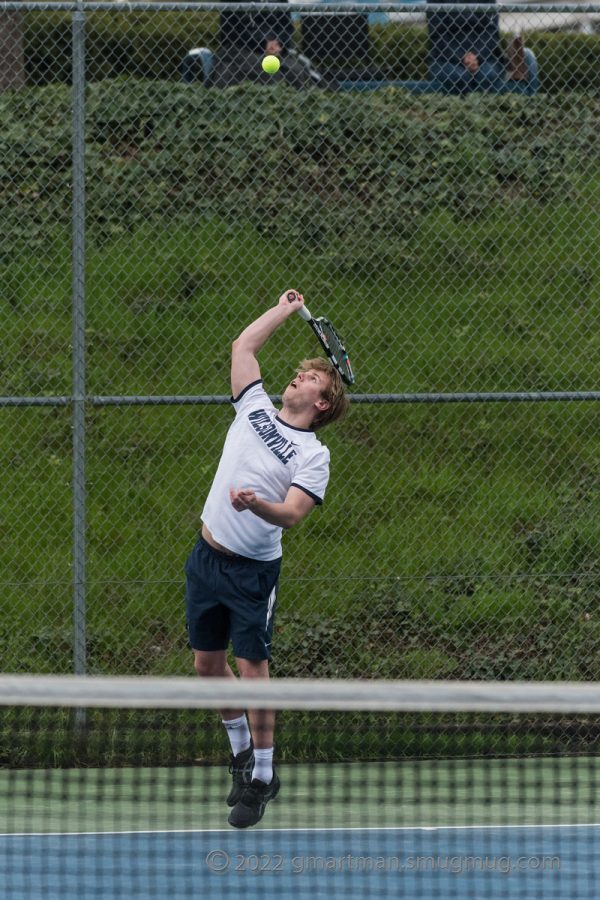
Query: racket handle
302, 312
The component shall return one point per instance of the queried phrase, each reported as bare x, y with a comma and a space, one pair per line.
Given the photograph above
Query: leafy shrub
159, 149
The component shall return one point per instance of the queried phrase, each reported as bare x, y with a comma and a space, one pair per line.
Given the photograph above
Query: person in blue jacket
465, 53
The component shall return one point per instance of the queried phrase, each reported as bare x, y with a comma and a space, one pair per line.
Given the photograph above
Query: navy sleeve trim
318, 500
247, 388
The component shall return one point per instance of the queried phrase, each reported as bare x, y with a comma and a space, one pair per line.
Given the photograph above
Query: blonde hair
333, 391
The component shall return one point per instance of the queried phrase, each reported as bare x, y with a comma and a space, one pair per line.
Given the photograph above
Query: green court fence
152, 206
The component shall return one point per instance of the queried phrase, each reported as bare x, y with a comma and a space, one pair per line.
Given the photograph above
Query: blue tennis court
480, 862
512, 816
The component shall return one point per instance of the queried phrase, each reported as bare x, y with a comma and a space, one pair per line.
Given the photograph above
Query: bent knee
253, 668
210, 663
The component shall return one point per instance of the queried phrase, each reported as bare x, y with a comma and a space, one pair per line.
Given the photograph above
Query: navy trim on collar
294, 427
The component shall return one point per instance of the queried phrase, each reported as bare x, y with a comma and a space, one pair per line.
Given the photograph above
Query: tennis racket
329, 339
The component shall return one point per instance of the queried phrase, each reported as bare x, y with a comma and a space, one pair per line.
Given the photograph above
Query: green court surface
407, 794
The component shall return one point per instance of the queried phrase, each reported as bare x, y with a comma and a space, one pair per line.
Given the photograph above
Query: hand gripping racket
329, 339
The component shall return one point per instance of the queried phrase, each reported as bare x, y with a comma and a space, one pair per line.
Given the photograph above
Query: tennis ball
271, 64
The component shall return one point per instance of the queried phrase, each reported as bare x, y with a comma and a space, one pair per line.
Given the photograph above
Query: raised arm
244, 365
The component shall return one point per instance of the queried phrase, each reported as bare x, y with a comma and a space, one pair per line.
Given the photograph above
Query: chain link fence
449, 225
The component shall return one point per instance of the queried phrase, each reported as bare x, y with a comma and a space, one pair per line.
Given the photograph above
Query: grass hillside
455, 241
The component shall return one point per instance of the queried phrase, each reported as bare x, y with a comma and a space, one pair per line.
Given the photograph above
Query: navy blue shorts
230, 598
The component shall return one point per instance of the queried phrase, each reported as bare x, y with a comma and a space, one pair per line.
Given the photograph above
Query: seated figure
248, 31
232, 66
464, 63
465, 54
245, 37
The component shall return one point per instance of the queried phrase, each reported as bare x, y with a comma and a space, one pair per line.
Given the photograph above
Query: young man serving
272, 473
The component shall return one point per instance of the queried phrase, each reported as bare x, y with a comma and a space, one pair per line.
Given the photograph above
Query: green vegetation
55, 738
456, 242
152, 45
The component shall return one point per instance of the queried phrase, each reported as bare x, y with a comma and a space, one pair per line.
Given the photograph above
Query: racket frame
318, 324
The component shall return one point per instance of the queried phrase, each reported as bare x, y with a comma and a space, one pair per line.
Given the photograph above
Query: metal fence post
79, 374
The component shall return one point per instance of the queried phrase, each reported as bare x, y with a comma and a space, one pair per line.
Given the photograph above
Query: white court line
298, 830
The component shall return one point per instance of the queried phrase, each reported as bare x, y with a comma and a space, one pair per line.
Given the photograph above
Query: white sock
238, 733
263, 765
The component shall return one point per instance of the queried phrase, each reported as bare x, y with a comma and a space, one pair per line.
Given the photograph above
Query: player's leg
252, 620
241, 764
264, 785
208, 624
262, 721
213, 664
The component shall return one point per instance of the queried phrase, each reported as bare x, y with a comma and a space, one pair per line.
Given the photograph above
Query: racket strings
338, 351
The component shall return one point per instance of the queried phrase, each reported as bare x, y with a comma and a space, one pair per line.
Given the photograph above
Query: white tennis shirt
266, 455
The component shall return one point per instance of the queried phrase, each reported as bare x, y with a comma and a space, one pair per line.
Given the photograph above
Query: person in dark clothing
465, 53
248, 31
236, 64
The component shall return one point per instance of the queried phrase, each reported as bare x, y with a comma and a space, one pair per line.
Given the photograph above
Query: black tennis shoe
251, 806
240, 768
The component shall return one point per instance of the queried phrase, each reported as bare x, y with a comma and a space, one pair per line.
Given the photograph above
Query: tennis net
117, 787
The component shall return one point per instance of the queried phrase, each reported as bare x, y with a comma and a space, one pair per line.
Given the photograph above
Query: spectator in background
243, 36
240, 63
248, 31
465, 53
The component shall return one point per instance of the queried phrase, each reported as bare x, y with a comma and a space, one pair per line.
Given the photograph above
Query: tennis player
273, 472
